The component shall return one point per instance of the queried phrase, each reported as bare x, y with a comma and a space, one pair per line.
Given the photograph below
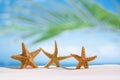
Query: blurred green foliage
48, 22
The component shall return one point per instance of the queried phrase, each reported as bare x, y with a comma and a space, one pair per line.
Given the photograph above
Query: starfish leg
25, 52
55, 50
76, 56
49, 63
86, 65
63, 57
34, 53
91, 58
79, 65
23, 65
57, 64
83, 54
18, 57
46, 53
33, 65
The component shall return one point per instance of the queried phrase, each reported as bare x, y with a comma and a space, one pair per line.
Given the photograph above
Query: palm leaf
102, 15
49, 21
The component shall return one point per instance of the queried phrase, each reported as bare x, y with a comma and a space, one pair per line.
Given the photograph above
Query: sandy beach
96, 72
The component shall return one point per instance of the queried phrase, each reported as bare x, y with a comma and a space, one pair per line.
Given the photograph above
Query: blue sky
108, 4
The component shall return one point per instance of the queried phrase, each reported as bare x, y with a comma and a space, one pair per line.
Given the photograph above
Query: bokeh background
94, 24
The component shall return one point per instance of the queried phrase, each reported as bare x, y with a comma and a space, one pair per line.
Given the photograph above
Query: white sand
101, 72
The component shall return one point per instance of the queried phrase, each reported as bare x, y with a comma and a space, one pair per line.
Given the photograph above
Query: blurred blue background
73, 23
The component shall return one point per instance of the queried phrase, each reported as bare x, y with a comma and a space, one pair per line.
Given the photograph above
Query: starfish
83, 60
26, 58
53, 57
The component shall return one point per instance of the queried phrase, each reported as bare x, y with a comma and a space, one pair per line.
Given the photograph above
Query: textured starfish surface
54, 57
26, 58
83, 60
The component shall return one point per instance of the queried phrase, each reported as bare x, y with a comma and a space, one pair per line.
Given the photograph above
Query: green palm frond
47, 21
102, 15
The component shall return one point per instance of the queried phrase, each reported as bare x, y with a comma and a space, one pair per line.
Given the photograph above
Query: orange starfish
53, 57
26, 58
83, 60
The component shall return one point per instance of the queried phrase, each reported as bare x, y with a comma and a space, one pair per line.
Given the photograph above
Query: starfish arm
76, 56
79, 65
46, 53
86, 65
32, 64
91, 58
63, 57
55, 50
18, 57
35, 53
83, 54
23, 65
57, 63
49, 63
25, 52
